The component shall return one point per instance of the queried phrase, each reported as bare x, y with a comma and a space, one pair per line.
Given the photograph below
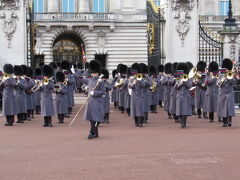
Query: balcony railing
216, 19
76, 17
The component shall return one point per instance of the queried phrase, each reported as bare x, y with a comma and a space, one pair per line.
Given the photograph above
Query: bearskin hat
213, 67
161, 68
129, 71
114, 72
118, 67
38, 72
79, 65
227, 63
201, 66
95, 67
137, 67
8, 68
18, 71
123, 69
144, 68
65, 65
60, 77
184, 67
190, 65
152, 70
47, 71
24, 69
105, 73
53, 65
30, 72
174, 67
168, 68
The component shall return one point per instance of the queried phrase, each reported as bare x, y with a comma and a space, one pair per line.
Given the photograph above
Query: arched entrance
68, 46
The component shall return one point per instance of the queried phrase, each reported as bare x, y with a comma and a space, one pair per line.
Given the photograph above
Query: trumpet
45, 81
139, 77
184, 77
120, 82
65, 83
154, 85
5, 77
230, 75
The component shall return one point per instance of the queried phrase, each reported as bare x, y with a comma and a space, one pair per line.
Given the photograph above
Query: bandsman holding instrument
94, 112
46, 88
167, 88
37, 94
106, 98
226, 93
192, 90
114, 90
20, 94
153, 94
8, 103
127, 99
200, 91
61, 96
211, 95
137, 85
29, 94
183, 98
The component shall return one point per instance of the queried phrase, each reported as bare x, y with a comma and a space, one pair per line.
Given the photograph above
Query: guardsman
61, 96
65, 65
211, 95
114, 90
46, 89
8, 101
226, 94
29, 94
148, 84
160, 87
137, 85
192, 91
122, 87
94, 112
127, 100
37, 94
153, 98
55, 70
200, 89
106, 98
20, 94
183, 98
173, 93
25, 71
167, 88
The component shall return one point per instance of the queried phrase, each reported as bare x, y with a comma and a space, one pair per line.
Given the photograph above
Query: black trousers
10, 119
94, 128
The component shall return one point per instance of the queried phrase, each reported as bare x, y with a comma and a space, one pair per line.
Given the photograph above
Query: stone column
231, 46
182, 31
53, 6
84, 6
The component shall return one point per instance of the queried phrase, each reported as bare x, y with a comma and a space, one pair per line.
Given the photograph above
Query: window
157, 2
98, 6
68, 6
224, 4
38, 6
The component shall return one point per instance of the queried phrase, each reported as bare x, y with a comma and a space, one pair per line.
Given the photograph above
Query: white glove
92, 93
99, 80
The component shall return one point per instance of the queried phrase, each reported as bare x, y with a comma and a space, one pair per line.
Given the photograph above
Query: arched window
224, 4
68, 6
98, 6
38, 6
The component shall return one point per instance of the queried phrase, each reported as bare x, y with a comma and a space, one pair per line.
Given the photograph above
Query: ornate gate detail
155, 35
210, 49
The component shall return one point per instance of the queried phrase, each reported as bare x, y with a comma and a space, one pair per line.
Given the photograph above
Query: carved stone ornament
9, 16
101, 38
182, 9
233, 47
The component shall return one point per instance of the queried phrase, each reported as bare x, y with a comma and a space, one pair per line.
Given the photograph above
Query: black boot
107, 118
184, 121
115, 105
229, 119
28, 115
140, 121
128, 111
179, 119
9, 121
169, 115
160, 104
50, 121
32, 113
18, 118
146, 117
225, 122
136, 121
93, 130
45, 121
205, 115
199, 113
211, 117
193, 110
154, 109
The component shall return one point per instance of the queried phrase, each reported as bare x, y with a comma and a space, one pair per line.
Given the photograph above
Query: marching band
137, 90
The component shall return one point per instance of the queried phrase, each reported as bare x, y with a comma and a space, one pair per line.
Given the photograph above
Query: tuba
194, 74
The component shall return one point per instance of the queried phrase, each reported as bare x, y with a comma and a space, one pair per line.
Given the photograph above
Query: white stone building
113, 30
